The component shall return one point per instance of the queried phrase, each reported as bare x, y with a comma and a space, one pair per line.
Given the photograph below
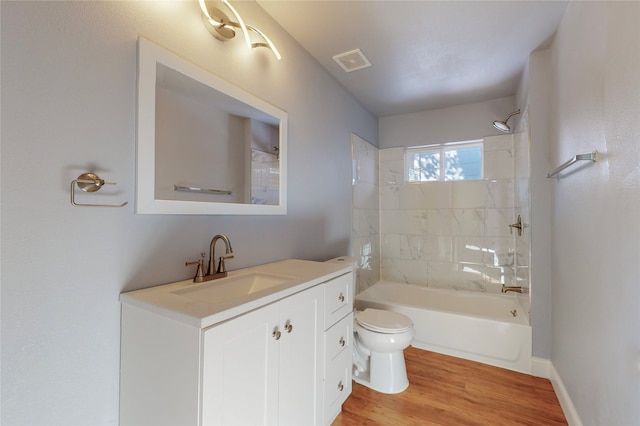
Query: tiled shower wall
443, 234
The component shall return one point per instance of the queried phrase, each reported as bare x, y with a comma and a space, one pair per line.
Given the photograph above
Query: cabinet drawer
338, 338
337, 385
337, 296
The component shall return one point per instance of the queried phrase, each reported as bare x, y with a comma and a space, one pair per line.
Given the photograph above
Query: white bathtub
489, 328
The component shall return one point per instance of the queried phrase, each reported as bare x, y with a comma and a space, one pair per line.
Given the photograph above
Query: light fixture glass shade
222, 28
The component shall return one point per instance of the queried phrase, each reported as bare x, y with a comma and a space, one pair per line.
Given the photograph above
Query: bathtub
489, 328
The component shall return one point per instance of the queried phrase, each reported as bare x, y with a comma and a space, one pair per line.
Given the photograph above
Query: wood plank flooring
445, 390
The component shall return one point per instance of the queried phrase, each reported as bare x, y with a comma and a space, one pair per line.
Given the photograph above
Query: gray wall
452, 124
68, 104
595, 232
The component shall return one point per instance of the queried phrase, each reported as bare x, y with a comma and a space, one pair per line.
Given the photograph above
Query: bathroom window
445, 162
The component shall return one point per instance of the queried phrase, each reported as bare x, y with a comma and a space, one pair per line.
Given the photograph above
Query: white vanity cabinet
277, 359
338, 336
263, 367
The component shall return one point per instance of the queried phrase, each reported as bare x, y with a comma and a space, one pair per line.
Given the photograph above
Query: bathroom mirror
205, 146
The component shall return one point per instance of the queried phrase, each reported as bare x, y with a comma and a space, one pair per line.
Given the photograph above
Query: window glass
423, 166
463, 163
446, 162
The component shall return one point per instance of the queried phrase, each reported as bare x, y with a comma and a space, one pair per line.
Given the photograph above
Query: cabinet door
300, 391
240, 370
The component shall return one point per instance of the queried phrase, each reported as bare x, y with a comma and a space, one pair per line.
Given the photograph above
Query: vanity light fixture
223, 28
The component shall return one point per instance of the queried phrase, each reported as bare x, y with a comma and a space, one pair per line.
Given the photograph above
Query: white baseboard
540, 367
544, 368
568, 408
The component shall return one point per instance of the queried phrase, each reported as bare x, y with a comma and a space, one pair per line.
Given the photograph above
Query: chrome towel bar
579, 157
198, 189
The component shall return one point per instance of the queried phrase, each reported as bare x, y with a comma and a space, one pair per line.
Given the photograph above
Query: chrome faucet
212, 273
221, 271
506, 288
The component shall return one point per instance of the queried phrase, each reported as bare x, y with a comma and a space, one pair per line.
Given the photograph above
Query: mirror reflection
209, 147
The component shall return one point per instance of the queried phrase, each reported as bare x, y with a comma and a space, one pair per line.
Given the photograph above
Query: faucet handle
221, 267
200, 270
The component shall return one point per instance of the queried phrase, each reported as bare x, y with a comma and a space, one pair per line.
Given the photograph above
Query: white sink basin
225, 289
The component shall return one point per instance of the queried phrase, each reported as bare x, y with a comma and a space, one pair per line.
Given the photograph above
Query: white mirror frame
149, 54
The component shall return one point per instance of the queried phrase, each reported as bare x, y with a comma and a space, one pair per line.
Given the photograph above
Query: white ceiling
424, 54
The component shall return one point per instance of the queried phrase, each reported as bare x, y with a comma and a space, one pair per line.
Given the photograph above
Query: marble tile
365, 170
412, 196
392, 172
404, 271
499, 194
522, 276
497, 222
497, 143
522, 251
499, 275
436, 195
403, 221
389, 197
468, 222
498, 164
469, 250
390, 154
468, 195
412, 247
439, 222
390, 245
445, 234
499, 251
365, 195
456, 276
365, 222
521, 193
438, 248
521, 154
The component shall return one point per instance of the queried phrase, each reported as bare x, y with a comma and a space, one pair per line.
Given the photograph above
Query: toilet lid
383, 321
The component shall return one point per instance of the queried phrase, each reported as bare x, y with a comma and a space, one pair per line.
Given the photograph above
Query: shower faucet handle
518, 225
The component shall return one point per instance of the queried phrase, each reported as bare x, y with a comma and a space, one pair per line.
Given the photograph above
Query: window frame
441, 149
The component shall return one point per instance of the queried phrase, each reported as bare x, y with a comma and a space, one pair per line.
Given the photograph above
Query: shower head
502, 125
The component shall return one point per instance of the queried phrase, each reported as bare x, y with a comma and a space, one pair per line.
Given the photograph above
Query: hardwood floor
444, 390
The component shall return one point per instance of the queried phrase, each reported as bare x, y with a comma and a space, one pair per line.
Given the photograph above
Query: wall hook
90, 182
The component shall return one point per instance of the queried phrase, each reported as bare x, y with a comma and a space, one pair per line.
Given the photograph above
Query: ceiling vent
351, 61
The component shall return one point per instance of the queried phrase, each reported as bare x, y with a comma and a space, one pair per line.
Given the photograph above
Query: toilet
379, 340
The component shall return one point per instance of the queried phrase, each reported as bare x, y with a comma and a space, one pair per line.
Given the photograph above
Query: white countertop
303, 274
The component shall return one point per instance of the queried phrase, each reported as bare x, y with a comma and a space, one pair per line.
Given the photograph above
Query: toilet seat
383, 321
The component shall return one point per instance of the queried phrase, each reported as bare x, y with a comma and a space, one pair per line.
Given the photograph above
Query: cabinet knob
288, 326
341, 341
340, 386
341, 297
276, 334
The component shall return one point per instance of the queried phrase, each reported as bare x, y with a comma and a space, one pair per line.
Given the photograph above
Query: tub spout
506, 288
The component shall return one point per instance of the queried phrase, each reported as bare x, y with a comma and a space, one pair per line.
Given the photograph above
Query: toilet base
387, 373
